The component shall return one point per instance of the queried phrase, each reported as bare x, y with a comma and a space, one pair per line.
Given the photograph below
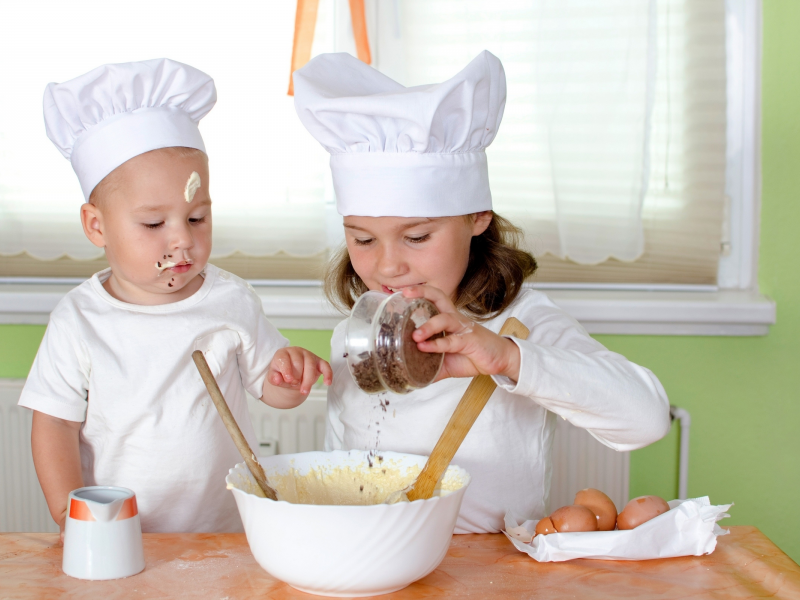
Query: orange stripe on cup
129, 509
79, 510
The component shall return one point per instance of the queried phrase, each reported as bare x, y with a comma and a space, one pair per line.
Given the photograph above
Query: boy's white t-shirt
563, 372
127, 373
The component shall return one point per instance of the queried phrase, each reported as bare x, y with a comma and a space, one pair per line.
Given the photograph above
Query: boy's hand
298, 369
469, 348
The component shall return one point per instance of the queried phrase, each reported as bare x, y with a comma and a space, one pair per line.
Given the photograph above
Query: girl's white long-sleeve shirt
563, 372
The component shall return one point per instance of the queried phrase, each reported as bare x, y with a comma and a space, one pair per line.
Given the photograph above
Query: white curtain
613, 141
268, 176
595, 89
590, 123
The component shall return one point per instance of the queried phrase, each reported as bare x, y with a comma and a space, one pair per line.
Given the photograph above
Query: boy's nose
182, 238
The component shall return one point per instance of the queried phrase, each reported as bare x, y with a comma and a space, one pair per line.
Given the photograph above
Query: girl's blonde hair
495, 273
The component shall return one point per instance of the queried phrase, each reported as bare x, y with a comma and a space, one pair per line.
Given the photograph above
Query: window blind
270, 179
268, 176
578, 83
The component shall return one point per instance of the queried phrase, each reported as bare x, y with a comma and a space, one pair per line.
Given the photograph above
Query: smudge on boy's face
162, 265
192, 185
174, 267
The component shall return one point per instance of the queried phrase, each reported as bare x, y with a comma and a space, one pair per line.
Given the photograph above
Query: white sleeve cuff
54, 408
507, 383
504, 382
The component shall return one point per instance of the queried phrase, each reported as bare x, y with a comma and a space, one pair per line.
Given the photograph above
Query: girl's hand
470, 349
298, 369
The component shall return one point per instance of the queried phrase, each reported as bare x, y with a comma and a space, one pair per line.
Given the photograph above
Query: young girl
411, 182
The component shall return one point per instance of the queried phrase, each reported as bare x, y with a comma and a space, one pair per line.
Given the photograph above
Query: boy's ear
481, 222
92, 221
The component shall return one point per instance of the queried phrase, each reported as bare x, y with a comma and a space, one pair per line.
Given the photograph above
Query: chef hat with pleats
398, 151
115, 112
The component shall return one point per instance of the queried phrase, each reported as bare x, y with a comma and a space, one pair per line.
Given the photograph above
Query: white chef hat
398, 151
115, 112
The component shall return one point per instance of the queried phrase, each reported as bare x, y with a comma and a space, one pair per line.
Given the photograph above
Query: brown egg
544, 527
574, 518
601, 505
640, 510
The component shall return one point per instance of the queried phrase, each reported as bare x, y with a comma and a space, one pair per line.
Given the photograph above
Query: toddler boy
116, 395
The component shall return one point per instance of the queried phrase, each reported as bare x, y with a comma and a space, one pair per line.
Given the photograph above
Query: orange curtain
306, 21
359, 20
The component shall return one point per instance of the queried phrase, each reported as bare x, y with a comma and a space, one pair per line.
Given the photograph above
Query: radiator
22, 505
579, 460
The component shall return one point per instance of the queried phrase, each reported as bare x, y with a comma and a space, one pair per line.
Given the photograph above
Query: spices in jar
381, 352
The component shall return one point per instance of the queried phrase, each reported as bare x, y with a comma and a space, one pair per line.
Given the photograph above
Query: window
270, 180
268, 176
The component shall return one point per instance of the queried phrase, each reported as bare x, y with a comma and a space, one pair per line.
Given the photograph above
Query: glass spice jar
381, 354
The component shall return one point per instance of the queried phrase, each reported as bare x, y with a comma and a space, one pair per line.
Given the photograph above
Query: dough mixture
356, 485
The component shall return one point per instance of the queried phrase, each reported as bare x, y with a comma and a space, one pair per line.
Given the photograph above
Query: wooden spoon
231, 426
464, 416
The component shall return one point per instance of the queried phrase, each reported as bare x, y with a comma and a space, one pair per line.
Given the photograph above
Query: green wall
18, 346
742, 393
19, 343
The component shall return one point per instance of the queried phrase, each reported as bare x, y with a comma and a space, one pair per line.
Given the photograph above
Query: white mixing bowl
345, 550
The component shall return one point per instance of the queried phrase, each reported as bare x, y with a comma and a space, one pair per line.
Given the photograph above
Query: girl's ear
92, 221
481, 222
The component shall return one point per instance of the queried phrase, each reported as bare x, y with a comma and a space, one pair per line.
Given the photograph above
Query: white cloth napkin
689, 528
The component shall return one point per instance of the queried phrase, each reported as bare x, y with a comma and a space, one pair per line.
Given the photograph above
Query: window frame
739, 269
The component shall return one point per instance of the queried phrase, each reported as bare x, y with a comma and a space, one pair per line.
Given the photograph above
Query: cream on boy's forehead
192, 185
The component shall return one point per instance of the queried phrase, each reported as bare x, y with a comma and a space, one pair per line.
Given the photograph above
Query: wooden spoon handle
231, 425
469, 407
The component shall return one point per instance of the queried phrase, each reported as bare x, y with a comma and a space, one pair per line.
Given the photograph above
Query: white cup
103, 534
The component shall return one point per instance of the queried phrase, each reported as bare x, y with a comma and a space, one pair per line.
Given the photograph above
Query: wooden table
744, 565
